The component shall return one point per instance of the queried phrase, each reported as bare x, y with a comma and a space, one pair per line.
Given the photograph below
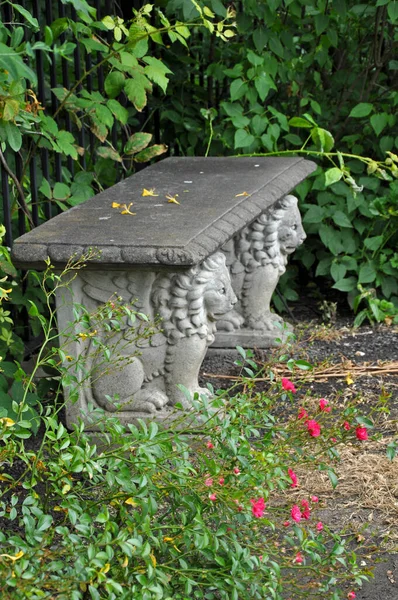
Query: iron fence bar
34, 190
19, 175
77, 59
6, 207
66, 84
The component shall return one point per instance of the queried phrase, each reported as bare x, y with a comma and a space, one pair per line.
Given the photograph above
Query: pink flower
319, 526
288, 386
239, 506
293, 477
286, 523
346, 426
221, 481
236, 470
334, 440
260, 557
306, 514
296, 513
258, 507
209, 482
305, 503
314, 499
314, 429
210, 445
361, 433
323, 405
302, 413
299, 558
351, 595
212, 497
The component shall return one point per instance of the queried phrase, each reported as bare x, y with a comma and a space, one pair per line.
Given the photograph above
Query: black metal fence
21, 171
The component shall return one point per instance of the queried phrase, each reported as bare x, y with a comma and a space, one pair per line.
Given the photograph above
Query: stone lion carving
189, 304
257, 257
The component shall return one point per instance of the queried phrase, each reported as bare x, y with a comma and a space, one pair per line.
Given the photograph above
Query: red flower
288, 386
314, 429
361, 433
351, 595
302, 413
286, 523
221, 481
236, 470
323, 405
346, 426
306, 514
258, 507
314, 499
212, 497
299, 558
293, 477
305, 503
210, 445
209, 482
319, 526
296, 513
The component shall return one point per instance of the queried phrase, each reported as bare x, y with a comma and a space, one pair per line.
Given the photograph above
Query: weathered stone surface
211, 211
164, 259
139, 378
257, 257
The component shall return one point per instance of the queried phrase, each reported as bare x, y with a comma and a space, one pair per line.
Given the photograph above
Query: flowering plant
152, 513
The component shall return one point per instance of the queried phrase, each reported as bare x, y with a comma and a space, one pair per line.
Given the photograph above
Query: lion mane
258, 244
179, 300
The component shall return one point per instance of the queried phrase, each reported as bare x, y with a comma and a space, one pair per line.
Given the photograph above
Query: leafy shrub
203, 508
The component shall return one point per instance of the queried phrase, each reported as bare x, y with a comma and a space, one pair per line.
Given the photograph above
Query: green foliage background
314, 77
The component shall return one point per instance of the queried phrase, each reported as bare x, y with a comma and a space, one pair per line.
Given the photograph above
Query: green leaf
137, 142
333, 175
13, 64
156, 71
243, 139
323, 139
341, 219
108, 22
151, 152
25, 13
333, 480
104, 115
379, 122
392, 10
321, 23
61, 191
374, 243
338, 271
314, 214
114, 83
263, 84
118, 111
238, 89
300, 122
108, 152
13, 135
136, 93
363, 109
346, 285
260, 38
367, 273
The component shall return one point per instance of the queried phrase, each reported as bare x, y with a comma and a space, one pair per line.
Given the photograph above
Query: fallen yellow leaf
13, 558
131, 502
7, 422
172, 199
242, 194
150, 192
116, 205
153, 559
105, 568
349, 380
125, 562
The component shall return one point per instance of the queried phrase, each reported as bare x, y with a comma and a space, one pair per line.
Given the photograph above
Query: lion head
190, 302
272, 236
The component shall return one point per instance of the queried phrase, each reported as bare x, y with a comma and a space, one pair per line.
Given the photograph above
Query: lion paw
149, 400
229, 322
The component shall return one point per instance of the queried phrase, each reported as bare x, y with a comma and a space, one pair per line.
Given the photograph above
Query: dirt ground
357, 364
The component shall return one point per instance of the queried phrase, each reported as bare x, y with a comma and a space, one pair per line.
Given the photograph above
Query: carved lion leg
124, 386
257, 292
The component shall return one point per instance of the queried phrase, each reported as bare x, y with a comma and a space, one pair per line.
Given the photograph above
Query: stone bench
199, 220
